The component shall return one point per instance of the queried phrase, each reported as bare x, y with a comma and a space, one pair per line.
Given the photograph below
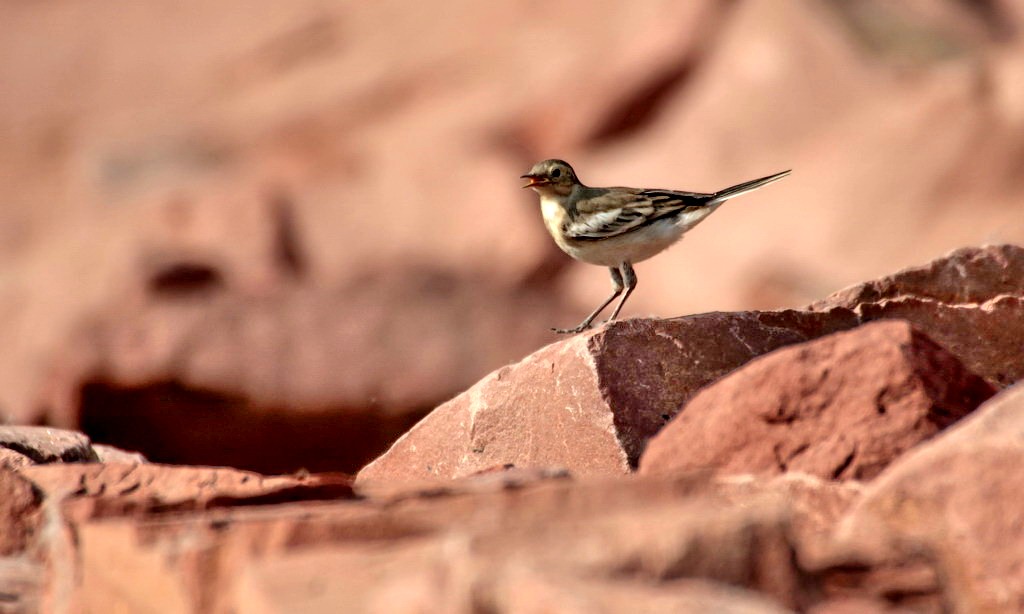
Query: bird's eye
556, 173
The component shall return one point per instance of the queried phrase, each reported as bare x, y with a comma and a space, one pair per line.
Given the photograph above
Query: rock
815, 505
110, 454
23, 585
20, 516
526, 590
21, 446
284, 584
115, 489
9, 459
129, 534
970, 275
453, 550
47, 445
970, 302
957, 499
589, 403
840, 407
987, 338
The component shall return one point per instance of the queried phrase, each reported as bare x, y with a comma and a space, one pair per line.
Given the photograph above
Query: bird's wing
617, 211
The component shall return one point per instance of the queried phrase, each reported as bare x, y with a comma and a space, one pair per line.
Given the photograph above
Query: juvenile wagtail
616, 227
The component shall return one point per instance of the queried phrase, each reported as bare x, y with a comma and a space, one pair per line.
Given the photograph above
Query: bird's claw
571, 331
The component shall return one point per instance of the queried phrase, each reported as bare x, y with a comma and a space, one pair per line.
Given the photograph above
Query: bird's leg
616, 290
629, 277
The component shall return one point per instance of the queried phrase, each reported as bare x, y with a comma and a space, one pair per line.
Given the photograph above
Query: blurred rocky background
272, 235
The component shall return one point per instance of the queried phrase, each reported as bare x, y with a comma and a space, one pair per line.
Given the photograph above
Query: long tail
747, 186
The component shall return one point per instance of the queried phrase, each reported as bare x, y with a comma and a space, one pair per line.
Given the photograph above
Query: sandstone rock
21, 446
387, 585
957, 498
969, 301
451, 550
965, 276
47, 445
9, 459
814, 505
110, 454
987, 338
94, 490
22, 584
590, 402
685, 541
840, 407
527, 590
857, 605
20, 516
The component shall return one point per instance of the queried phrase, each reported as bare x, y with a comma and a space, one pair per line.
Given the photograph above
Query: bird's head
551, 177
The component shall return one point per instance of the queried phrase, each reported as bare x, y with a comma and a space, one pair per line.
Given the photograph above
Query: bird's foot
572, 331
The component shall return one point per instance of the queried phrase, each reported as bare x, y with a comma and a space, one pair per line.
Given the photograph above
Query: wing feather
622, 210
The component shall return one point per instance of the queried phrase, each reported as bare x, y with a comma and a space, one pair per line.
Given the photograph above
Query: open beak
535, 180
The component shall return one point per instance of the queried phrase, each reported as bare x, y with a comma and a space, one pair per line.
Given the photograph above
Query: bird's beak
535, 180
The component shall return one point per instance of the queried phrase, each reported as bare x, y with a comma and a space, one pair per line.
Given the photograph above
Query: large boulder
840, 407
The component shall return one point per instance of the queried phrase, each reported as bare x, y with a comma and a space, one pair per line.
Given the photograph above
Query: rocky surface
958, 498
611, 389
589, 403
968, 301
162, 169
47, 445
521, 495
840, 407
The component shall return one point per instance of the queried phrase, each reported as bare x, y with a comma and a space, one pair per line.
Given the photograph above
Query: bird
617, 227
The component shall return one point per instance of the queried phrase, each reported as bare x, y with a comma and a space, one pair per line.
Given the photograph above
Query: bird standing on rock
616, 227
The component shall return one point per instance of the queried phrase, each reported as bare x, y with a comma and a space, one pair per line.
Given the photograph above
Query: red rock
21, 446
47, 445
970, 302
110, 454
840, 407
686, 541
590, 402
24, 585
20, 516
95, 490
856, 605
965, 276
987, 338
382, 581
957, 499
621, 535
9, 459
815, 505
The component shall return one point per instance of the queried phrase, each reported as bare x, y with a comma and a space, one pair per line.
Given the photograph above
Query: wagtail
617, 227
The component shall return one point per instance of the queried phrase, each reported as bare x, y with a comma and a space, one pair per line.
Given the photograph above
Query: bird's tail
747, 186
